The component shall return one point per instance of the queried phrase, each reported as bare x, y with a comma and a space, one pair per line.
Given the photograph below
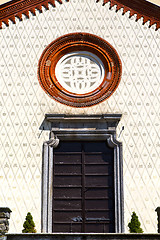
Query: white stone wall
23, 105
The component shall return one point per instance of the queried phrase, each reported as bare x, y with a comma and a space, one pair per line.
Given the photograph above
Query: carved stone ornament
52, 142
79, 70
4, 217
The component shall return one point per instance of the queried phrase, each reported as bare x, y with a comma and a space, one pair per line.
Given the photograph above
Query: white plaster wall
23, 105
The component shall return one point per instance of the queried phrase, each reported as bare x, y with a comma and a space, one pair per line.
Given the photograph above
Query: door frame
81, 128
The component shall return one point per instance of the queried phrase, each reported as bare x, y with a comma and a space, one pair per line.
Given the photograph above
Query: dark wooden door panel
67, 180
95, 158
98, 227
67, 192
97, 204
68, 169
97, 169
97, 181
83, 188
68, 147
73, 204
97, 215
68, 158
67, 227
99, 192
66, 216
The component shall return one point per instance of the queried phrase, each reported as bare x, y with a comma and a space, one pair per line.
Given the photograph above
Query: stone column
47, 180
4, 223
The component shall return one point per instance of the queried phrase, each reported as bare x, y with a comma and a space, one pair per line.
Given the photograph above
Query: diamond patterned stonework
23, 105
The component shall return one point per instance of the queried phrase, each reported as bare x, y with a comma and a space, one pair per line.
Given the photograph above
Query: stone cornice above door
85, 126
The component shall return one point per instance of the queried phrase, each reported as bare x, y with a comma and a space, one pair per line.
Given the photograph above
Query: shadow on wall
158, 218
45, 125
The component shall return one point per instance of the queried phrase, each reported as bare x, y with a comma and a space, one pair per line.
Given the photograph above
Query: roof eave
142, 8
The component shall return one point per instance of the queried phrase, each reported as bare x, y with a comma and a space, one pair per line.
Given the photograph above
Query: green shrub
29, 225
134, 224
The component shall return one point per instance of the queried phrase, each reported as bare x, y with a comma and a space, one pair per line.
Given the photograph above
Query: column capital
53, 141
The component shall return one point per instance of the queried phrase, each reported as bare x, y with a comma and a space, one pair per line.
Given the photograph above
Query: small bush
29, 225
134, 224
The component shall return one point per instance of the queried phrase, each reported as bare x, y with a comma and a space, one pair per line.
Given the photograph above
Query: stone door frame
79, 128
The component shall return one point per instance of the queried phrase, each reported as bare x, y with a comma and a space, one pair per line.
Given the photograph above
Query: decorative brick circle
79, 69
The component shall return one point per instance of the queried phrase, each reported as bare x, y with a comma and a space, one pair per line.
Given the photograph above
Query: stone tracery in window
80, 72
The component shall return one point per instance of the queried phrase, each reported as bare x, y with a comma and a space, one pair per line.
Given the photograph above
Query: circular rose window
79, 70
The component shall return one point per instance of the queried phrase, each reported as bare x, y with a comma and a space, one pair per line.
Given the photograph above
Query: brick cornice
13, 9
142, 8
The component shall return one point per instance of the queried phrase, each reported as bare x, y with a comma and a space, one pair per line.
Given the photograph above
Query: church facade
80, 110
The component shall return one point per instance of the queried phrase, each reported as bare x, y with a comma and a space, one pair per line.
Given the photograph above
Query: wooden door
83, 187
